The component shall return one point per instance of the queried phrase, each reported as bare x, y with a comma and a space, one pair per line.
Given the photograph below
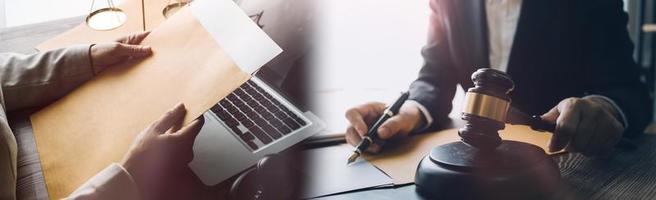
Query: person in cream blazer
36, 80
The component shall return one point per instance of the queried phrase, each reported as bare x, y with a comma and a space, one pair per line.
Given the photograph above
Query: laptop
259, 117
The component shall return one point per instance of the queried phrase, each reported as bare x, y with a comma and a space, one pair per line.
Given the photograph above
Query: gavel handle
538, 124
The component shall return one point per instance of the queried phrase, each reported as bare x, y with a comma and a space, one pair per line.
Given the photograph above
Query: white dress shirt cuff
619, 110
424, 111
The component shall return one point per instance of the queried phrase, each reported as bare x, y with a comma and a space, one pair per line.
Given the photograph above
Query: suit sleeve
436, 84
38, 79
613, 71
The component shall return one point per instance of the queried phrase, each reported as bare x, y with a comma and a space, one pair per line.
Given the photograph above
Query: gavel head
485, 109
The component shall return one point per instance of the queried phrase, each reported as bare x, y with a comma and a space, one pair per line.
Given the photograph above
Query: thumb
392, 127
558, 140
134, 38
134, 51
551, 115
190, 131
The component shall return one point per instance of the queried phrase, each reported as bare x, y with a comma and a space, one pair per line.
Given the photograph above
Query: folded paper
325, 172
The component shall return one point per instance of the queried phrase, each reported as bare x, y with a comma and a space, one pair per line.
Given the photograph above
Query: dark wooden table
623, 175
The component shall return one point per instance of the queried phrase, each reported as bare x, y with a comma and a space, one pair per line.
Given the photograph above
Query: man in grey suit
38, 79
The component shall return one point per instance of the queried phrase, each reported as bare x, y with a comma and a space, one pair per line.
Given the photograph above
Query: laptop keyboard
255, 116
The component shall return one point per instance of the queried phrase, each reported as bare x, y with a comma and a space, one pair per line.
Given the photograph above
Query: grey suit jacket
36, 80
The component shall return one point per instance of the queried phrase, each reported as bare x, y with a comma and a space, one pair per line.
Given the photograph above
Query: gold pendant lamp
105, 17
172, 6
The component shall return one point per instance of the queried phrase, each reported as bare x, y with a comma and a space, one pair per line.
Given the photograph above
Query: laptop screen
289, 27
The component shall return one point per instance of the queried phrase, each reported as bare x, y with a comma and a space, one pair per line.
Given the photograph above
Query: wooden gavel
482, 165
488, 107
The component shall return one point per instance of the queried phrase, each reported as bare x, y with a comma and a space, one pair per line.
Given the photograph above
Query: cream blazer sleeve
36, 80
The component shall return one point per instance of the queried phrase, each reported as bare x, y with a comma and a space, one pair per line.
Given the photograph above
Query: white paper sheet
326, 172
247, 45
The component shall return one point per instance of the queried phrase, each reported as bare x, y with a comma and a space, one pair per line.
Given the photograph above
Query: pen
372, 134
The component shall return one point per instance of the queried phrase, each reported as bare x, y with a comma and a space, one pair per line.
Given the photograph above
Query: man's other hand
587, 125
124, 49
363, 116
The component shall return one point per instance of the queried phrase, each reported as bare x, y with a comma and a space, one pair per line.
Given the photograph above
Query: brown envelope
93, 126
400, 162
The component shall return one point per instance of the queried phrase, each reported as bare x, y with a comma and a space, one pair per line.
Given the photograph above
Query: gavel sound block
481, 165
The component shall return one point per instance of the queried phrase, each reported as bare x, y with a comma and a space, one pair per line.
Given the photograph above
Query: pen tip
352, 158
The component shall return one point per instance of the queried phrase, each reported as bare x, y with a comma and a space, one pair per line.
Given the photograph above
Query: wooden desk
625, 175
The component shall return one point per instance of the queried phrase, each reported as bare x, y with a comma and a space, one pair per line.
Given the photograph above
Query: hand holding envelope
124, 49
197, 57
161, 150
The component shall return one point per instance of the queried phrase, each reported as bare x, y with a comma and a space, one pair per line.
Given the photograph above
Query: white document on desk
326, 173
247, 44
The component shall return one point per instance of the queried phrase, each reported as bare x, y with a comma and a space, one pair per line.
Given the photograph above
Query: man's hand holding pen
374, 121
363, 116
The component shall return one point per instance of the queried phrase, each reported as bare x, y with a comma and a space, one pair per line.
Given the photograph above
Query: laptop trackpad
218, 155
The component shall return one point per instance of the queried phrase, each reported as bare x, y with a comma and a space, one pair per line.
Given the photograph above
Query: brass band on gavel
487, 106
